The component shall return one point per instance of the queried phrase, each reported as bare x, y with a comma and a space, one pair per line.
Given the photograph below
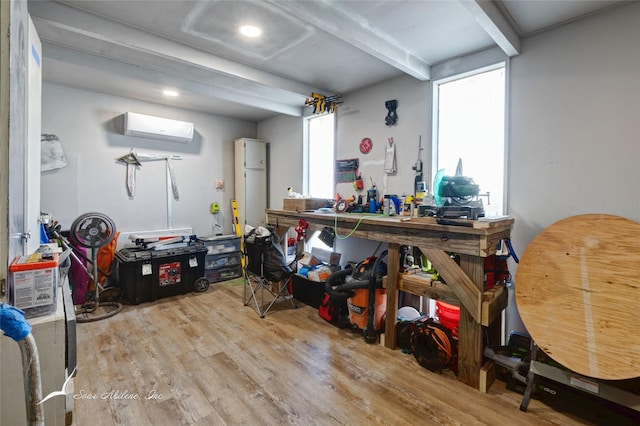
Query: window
469, 123
319, 156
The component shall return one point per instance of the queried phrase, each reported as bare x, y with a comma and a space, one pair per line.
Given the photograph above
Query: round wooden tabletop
578, 292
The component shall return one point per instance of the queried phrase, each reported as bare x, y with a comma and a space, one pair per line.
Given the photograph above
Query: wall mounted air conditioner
148, 126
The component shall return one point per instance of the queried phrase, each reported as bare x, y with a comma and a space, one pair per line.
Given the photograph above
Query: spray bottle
372, 197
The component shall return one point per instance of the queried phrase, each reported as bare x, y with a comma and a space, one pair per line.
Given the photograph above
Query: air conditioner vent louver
148, 126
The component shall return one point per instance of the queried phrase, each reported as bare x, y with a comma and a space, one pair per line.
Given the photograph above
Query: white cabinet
49, 332
251, 181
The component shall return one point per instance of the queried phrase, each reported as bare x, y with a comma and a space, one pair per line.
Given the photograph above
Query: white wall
363, 115
284, 134
574, 126
574, 136
89, 125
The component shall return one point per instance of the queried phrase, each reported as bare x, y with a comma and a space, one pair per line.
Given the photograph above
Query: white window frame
435, 120
305, 153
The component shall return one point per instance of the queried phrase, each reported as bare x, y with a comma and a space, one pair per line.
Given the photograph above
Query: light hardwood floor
205, 359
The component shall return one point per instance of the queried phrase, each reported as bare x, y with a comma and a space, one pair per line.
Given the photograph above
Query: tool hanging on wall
322, 104
392, 116
215, 211
390, 157
358, 184
419, 186
133, 161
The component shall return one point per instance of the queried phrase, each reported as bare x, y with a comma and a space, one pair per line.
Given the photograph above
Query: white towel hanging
390, 158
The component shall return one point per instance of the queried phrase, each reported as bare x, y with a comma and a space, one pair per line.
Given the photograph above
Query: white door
251, 181
256, 182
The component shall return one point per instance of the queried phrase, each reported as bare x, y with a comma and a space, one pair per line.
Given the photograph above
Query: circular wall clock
365, 145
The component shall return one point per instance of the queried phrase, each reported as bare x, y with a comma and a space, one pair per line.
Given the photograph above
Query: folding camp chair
264, 285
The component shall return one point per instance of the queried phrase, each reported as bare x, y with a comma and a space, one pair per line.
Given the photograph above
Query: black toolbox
146, 275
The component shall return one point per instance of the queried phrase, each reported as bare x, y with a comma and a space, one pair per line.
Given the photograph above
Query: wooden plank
448, 241
425, 224
577, 290
468, 293
281, 230
493, 222
220, 393
494, 301
481, 223
393, 266
471, 336
487, 376
90, 379
455, 239
302, 204
489, 245
424, 286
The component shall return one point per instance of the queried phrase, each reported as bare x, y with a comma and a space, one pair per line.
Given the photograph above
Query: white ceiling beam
220, 88
486, 13
71, 28
329, 16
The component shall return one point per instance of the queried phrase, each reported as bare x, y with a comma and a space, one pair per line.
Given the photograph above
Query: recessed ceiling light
170, 93
250, 31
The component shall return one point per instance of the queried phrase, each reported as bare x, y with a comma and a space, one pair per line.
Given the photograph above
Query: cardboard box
326, 256
33, 282
302, 204
307, 259
319, 274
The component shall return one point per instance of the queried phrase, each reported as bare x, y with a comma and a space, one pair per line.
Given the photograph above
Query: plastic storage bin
449, 315
307, 291
223, 274
33, 284
223, 260
147, 275
221, 244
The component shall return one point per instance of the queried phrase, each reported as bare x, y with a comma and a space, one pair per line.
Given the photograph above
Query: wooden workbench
465, 282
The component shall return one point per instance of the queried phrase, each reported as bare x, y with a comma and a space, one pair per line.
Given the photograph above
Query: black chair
267, 274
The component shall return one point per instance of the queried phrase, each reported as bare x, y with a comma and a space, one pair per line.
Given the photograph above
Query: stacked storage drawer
223, 260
